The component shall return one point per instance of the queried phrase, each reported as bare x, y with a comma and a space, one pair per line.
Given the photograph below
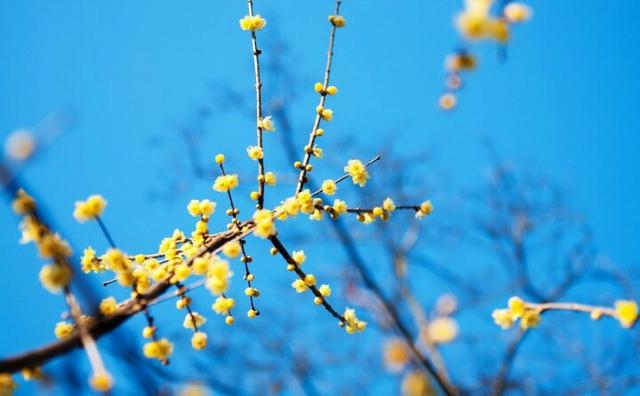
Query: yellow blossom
63, 329
23, 203
223, 305
55, 277
101, 381
337, 20
299, 285
218, 276
327, 114
255, 152
160, 349
325, 290
339, 206
416, 383
116, 261
148, 331
517, 307
199, 340
388, 205
530, 318
517, 12
503, 318
265, 226
626, 312
193, 320
460, 61
299, 257
252, 23
353, 324
90, 262
108, 306
329, 187
270, 179
396, 354
425, 209
267, 124
89, 209
332, 90
447, 101
358, 172
225, 183
232, 249
441, 330
219, 158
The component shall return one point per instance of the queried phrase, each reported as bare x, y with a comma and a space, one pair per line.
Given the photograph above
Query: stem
302, 179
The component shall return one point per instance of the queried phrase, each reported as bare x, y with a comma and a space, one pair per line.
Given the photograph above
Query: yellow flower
108, 306
530, 318
299, 257
265, 226
337, 20
252, 23
626, 312
101, 381
329, 187
255, 152
353, 324
23, 203
223, 305
148, 331
193, 320
299, 285
396, 354
503, 318
425, 209
267, 124
310, 280
116, 261
332, 90
218, 276
52, 245
389, 205
325, 290
90, 262
305, 199
219, 158
517, 307
199, 340
89, 209
291, 206
63, 329
441, 330
499, 30
55, 277
225, 183
416, 383
270, 179
358, 172
460, 61
232, 249
327, 114
160, 349
447, 101
7, 384
339, 206
29, 374
517, 12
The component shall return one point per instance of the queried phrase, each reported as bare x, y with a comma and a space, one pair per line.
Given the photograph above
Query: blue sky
564, 104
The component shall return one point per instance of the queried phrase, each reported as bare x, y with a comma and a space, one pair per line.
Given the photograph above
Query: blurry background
151, 91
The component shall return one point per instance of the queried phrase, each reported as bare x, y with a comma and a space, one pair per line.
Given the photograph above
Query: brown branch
101, 325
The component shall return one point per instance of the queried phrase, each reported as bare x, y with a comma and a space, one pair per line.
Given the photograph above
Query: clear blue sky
565, 104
